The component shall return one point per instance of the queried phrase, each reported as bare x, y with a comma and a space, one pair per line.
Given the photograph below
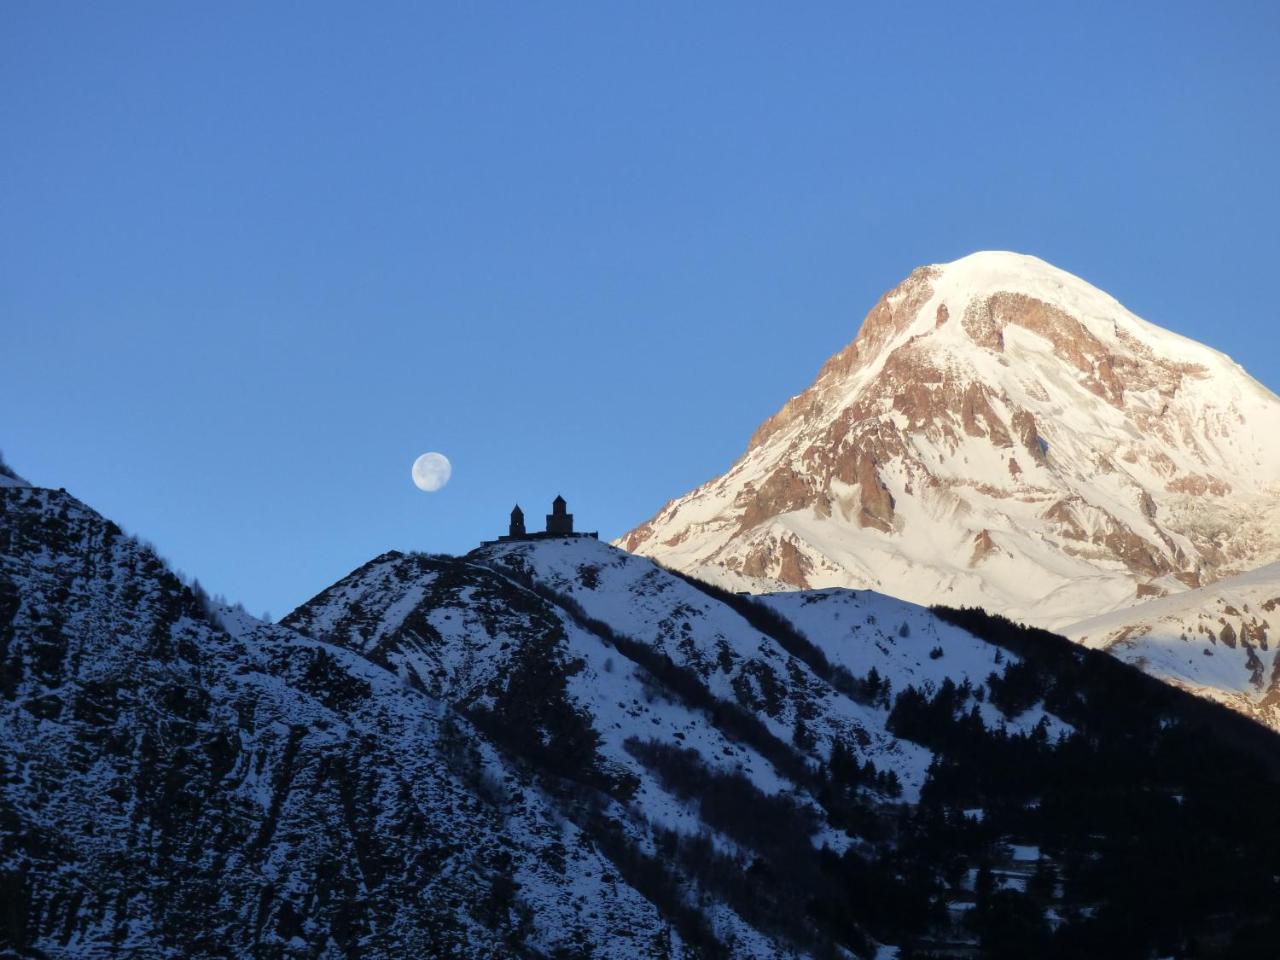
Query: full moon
431, 471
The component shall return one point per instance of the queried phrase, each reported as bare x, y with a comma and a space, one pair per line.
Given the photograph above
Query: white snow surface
855, 629
1221, 641
1123, 472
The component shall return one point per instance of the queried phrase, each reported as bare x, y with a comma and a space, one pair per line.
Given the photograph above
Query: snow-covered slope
555, 748
174, 790
739, 663
1221, 641
372, 774
1000, 433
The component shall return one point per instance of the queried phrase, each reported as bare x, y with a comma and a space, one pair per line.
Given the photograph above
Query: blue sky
258, 257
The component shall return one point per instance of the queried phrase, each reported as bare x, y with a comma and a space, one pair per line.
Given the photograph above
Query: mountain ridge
1220, 641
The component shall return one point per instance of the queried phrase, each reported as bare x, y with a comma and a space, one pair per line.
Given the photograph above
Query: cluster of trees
769, 824
533, 716
1161, 827
777, 883
845, 774
872, 689
1157, 832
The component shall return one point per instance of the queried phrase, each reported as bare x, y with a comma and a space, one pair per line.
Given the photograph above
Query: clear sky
256, 257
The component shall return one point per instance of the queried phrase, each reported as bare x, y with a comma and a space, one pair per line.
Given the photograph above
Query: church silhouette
559, 524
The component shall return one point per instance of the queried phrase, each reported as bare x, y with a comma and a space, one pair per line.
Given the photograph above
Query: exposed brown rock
794, 566
1070, 339
877, 501
1147, 505
639, 535
758, 562
1228, 635
979, 419
982, 327
1107, 373
1150, 590
889, 317
1272, 697
1028, 434
1198, 485
1158, 461
1062, 514
983, 546
943, 315
1254, 665
779, 559
915, 399
1255, 633
784, 491
1139, 555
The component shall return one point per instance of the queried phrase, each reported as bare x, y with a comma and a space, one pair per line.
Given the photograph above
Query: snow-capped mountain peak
1001, 433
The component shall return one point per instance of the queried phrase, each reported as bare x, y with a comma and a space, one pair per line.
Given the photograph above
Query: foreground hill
175, 788
557, 749
1000, 433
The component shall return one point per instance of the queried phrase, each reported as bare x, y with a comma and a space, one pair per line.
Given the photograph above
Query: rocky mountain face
1220, 641
557, 749
1001, 434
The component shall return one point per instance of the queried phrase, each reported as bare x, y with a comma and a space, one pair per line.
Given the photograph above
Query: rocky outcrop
783, 491
979, 419
793, 566
1028, 434
983, 547
887, 319
1198, 485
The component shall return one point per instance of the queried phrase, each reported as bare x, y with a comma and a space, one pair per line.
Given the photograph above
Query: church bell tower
559, 522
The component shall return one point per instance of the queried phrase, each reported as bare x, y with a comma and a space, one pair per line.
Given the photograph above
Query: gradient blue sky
257, 257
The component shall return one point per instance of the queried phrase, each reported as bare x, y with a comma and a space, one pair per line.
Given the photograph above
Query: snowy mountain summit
999, 433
